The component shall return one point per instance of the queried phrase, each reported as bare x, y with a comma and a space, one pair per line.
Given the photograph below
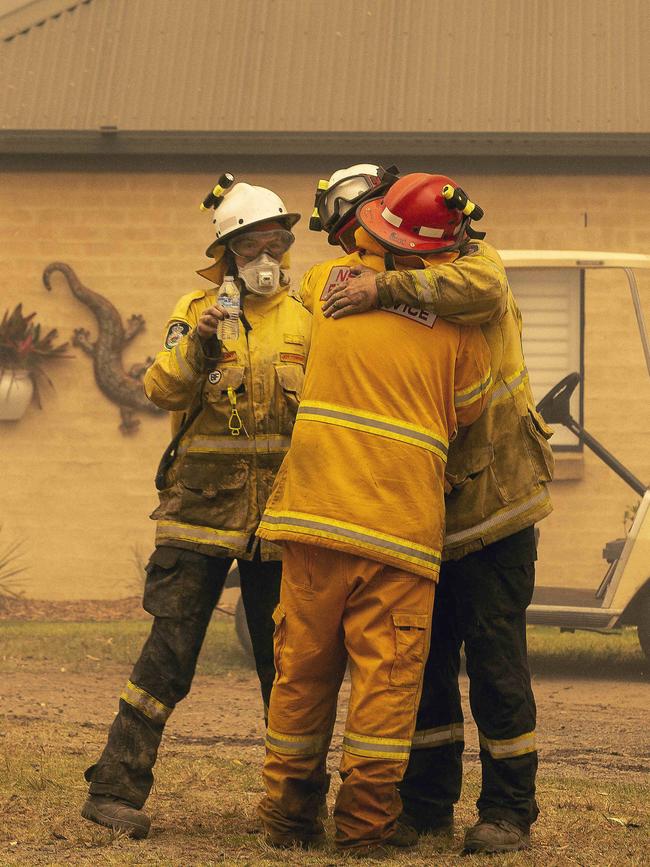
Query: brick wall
78, 492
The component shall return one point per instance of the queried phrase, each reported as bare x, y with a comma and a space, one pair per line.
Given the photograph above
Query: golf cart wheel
643, 626
241, 628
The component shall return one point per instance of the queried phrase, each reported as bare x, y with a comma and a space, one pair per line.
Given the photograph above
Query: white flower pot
16, 390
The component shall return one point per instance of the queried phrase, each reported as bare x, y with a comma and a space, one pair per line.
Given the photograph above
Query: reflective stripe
509, 386
510, 747
296, 745
474, 392
229, 444
187, 373
192, 533
371, 747
437, 737
330, 529
145, 703
499, 518
380, 425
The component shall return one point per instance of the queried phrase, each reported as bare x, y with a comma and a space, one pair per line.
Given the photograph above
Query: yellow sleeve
473, 378
305, 292
472, 290
172, 379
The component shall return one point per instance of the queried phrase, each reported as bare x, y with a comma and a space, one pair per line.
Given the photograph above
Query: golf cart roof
572, 259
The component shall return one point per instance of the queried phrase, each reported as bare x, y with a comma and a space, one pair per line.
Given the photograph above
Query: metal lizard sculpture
121, 387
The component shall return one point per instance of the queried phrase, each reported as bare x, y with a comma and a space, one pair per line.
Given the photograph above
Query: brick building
117, 116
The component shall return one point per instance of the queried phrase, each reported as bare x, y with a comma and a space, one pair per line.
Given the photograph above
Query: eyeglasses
275, 242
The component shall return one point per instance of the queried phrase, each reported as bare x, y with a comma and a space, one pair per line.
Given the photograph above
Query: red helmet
414, 216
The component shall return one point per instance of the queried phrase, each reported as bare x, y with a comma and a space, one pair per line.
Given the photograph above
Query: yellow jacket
384, 395
498, 468
217, 487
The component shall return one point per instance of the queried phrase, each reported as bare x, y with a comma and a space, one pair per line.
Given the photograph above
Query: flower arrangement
24, 347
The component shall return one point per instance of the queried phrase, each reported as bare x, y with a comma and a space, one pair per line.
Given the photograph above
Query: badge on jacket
175, 332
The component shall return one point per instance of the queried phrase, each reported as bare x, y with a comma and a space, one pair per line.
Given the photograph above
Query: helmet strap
474, 234
389, 261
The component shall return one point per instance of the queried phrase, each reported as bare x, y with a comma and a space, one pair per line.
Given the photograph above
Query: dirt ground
594, 777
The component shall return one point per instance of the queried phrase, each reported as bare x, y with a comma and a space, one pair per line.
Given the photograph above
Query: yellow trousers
337, 608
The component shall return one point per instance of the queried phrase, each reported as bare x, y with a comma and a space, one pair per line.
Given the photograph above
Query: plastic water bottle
228, 328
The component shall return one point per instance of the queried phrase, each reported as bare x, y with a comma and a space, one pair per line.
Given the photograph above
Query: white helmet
338, 199
245, 206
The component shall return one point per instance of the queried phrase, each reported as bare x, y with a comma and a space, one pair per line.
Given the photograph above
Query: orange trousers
337, 608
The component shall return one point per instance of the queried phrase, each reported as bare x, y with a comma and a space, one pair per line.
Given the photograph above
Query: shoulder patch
176, 331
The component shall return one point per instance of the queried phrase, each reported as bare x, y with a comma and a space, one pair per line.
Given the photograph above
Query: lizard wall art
122, 387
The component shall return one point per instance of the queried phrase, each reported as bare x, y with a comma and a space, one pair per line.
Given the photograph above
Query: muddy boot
496, 836
403, 837
290, 840
116, 814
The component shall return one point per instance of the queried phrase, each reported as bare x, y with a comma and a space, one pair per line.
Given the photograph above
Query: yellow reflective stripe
186, 372
439, 736
312, 525
501, 517
474, 392
193, 533
296, 745
229, 444
145, 703
511, 384
509, 748
368, 746
380, 425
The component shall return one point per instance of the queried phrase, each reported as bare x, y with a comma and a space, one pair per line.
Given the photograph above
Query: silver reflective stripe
395, 749
469, 396
437, 737
429, 557
374, 425
505, 388
499, 518
186, 371
176, 530
509, 748
230, 444
296, 745
146, 703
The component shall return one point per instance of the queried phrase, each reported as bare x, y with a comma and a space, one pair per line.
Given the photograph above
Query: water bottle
228, 328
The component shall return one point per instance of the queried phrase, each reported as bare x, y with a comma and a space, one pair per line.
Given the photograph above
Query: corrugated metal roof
515, 66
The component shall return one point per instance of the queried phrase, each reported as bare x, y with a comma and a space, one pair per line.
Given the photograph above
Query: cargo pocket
214, 491
216, 392
410, 646
290, 378
279, 636
536, 436
163, 588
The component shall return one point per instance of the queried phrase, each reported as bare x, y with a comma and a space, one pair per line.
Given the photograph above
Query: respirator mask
263, 250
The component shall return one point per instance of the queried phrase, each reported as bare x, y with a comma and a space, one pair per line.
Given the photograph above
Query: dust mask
261, 275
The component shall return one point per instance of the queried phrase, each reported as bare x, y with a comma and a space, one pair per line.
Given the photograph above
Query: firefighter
384, 396
497, 473
233, 405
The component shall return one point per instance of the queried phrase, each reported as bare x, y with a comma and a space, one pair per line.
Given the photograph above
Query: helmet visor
250, 245
342, 197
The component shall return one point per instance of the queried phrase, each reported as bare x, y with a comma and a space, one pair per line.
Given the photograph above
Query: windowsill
569, 466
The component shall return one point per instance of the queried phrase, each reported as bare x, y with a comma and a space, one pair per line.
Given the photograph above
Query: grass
203, 811
93, 646
88, 647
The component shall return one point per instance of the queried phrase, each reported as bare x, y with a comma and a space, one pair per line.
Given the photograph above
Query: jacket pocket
279, 636
536, 436
465, 466
290, 380
410, 647
215, 491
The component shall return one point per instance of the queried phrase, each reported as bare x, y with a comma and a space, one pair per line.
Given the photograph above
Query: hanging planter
23, 353
16, 392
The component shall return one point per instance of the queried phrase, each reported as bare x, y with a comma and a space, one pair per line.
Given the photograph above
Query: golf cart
622, 595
